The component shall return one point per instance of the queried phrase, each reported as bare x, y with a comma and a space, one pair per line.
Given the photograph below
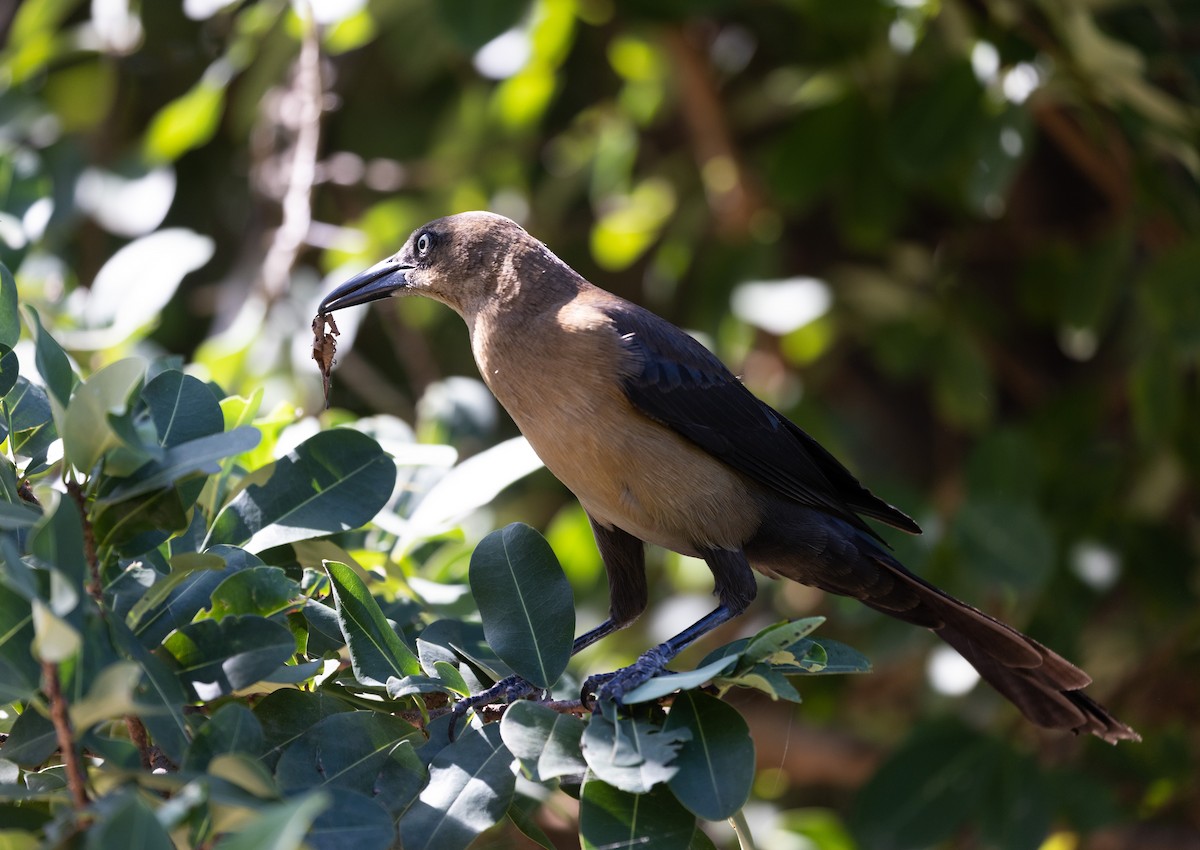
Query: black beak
379, 281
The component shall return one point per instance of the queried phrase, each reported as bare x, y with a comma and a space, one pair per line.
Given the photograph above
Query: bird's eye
423, 243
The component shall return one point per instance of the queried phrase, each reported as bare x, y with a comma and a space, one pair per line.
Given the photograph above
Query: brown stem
137, 734
96, 586
59, 716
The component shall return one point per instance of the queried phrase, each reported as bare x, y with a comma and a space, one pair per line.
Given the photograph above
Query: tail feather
839, 558
1038, 681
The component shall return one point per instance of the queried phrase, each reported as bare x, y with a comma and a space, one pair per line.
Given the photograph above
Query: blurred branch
731, 196
60, 717
298, 110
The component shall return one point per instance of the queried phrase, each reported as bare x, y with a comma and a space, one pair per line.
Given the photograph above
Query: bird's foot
605, 687
510, 690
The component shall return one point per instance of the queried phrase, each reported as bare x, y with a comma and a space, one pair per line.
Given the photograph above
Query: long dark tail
1041, 683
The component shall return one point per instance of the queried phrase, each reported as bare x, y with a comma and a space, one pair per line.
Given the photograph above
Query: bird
663, 445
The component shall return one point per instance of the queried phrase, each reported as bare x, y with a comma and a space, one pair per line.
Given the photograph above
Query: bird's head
463, 260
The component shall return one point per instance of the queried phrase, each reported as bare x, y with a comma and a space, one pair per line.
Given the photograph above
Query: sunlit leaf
546, 742
10, 319
334, 481
470, 788
217, 658
525, 603
278, 826
187, 122
376, 651
87, 431
630, 753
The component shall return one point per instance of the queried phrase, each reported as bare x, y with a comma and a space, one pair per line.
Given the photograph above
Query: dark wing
678, 382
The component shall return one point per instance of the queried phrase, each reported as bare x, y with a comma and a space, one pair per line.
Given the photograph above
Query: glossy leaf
191, 458
10, 367
376, 651
52, 362
716, 766
87, 431
630, 753
10, 319
20, 673
612, 818
334, 481
233, 728
352, 822
525, 603
364, 751
288, 714
546, 742
470, 788
279, 826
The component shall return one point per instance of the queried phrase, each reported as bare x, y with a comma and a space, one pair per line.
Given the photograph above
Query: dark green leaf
33, 429
20, 673
183, 408
176, 600
630, 753
352, 822
334, 481
159, 691
196, 456
10, 369
58, 545
364, 751
10, 319
288, 714
132, 825
280, 826
232, 729
31, 739
525, 603
474, 25
14, 515
219, 658
376, 651
546, 742
715, 769
937, 124
612, 819
52, 362
470, 788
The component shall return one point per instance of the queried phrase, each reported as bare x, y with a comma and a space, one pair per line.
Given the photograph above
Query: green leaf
174, 601
187, 122
197, 456
20, 673
364, 751
612, 819
31, 739
10, 368
87, 430
525, 603
470, 788
10, 319
288, 714
669, 682
715, 767
160, 693
219, 658
777, 639
131, 825
630, 753
182, 408
15, 515
54, 639
32, 423
112, 694
57, 544
278, 826
233, 728
334, 481
474, 25
546, 742
936, 125
376, 651
52, 362
352, 822
264, 591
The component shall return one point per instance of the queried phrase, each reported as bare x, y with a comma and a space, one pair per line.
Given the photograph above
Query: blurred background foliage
957, 240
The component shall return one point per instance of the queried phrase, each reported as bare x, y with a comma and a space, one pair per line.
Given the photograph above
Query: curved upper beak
379, 281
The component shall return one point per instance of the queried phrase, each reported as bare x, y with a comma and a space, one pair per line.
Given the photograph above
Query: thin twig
59, 716
96, 586
137, 734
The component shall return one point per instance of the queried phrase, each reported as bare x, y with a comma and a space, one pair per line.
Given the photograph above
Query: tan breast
556, 374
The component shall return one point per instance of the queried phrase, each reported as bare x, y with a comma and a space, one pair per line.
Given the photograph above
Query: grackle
661, 444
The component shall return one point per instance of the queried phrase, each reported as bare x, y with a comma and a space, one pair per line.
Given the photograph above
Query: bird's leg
735, 587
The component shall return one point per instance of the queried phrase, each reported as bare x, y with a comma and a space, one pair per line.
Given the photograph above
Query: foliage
955, 241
